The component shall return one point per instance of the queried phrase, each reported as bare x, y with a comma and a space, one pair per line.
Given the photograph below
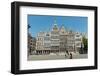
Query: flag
29, 26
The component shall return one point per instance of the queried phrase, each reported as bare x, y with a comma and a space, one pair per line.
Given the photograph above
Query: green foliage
85, 43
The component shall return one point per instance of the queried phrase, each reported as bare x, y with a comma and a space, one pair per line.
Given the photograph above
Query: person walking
71, 56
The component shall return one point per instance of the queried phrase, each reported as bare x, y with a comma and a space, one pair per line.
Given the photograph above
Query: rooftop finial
55, 22
55, 27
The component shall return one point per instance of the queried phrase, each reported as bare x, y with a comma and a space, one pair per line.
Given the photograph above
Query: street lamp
29, 51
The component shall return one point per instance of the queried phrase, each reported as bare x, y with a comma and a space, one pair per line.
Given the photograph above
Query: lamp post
29, 48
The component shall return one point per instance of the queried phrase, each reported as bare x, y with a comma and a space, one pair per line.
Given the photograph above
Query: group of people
70, 55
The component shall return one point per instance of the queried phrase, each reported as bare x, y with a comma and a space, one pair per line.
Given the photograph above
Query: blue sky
45, 23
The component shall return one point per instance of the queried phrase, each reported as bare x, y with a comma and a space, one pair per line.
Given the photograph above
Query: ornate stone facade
31, 44
58, 40
55, 41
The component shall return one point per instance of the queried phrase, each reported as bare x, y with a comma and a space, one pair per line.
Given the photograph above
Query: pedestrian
71, 56
67, 52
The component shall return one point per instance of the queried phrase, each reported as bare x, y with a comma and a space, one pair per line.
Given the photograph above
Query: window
47, 35
77, 35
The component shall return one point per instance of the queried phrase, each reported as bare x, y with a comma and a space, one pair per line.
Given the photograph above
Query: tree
85, 43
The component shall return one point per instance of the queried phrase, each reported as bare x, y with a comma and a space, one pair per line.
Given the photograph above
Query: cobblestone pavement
54, 57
